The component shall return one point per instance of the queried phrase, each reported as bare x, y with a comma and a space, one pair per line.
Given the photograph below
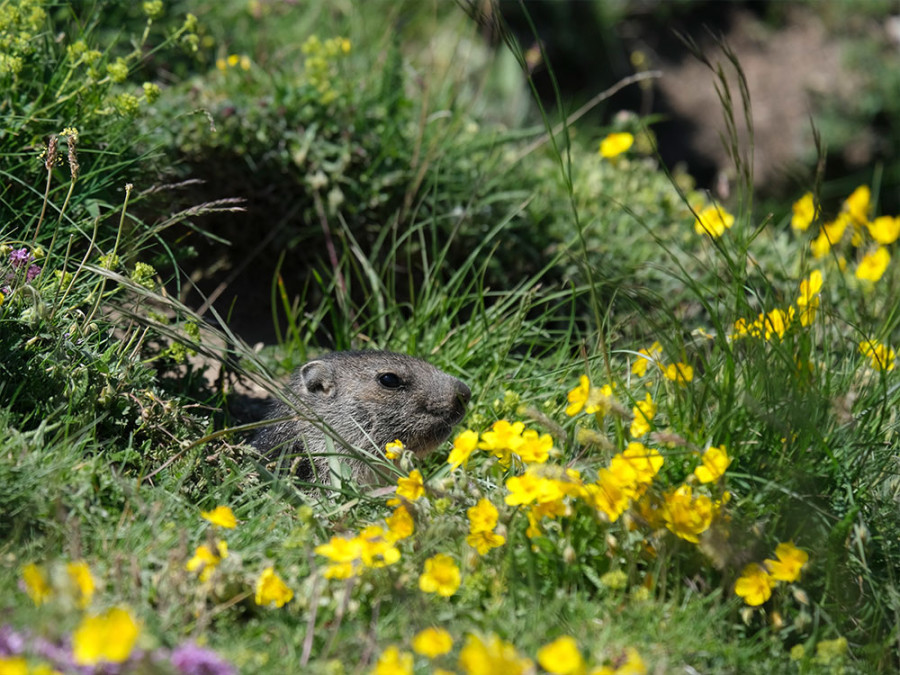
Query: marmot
361, 401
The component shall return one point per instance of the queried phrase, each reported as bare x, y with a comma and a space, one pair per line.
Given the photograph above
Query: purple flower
20, 258
11, 642
58, 655
193, 660
32, 272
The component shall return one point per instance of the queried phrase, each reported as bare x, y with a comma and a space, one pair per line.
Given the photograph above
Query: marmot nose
463, 392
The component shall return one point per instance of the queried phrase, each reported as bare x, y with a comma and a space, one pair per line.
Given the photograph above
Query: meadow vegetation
681, 449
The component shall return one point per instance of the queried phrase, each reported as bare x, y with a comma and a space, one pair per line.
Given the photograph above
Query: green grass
516, 267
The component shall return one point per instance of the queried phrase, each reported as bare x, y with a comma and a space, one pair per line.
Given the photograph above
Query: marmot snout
365, 400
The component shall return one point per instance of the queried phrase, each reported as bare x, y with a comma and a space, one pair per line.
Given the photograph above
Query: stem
65, 203
90, 317
43, 207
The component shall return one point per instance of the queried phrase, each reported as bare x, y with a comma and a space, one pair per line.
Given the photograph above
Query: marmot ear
318, 378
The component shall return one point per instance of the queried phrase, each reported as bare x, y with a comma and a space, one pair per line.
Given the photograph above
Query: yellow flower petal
221, 516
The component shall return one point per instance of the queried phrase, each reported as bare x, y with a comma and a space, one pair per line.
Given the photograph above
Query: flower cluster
881, 356
320, 64
562, 657
371, 548
490, 654
871, 237
207, 557
679, 372
22, 23
757, 581
506, 441
270, 588
482, 521
101, 640
234, 61
773, 325
22, 268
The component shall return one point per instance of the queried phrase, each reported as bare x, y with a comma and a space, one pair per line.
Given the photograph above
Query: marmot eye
390, 381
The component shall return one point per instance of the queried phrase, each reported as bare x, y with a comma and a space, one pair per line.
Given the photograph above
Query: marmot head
375, 397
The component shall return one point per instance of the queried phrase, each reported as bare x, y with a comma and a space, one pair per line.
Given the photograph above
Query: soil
787, 70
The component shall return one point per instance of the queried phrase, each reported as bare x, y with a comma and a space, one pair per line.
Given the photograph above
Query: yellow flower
441, 576
808, 312
586, 397
648, 356
790, 561
271, 589
530, 487
645, 462
400, 524
713, 220
561, 657
206, 561
776, 322
535, 448
578, 397
432, 642
609, 494
233, 60
482, 516
615, 144
882, 356
107, 637
503, 439
633, 664
715, 461
680, 373
377, 543
885, 230
345, 555
485, 540
687, 516
482, 521
463, 446
820, 245
13, 665
804, 213
873, 265
491, 657
829, 235
754, 585
857, 204
36, 584
412, 486
643, 412
394, 662
221, 516
808, 301
810, 288
80, 574
393, 449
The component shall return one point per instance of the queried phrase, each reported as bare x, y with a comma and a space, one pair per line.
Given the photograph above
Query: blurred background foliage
273, 144
422, 115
